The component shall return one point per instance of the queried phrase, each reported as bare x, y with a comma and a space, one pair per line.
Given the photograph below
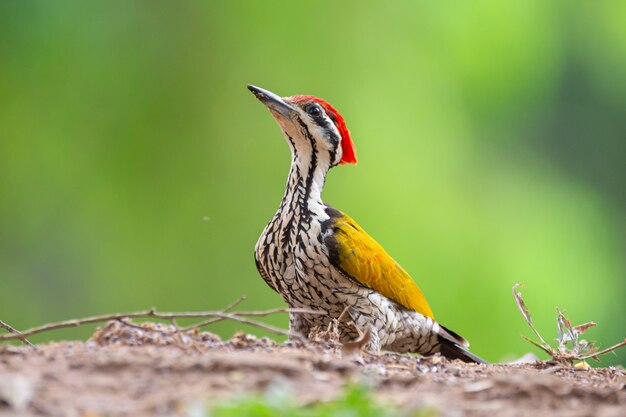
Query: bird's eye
314, 110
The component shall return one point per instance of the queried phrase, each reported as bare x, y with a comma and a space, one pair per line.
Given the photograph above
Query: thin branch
177, 335
234, 304
187, 329
255, 323
219, 317
266, 312
197, 326
17, 333
139, 327
152, 313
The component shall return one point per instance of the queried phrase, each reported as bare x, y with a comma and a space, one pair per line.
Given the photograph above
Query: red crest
347, 146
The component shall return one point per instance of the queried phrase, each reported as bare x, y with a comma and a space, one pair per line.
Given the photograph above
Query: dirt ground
132, 371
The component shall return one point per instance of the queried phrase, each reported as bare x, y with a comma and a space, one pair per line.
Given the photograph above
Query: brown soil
129, 371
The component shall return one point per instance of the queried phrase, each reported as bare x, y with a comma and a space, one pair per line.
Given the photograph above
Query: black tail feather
452, 350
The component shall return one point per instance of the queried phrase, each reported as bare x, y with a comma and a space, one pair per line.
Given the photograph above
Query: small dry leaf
564, 328
566, 322
582, 328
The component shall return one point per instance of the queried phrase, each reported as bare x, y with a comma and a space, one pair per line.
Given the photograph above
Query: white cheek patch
321, 133
296, 135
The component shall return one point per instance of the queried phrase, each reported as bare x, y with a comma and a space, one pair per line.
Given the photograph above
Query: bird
317, 257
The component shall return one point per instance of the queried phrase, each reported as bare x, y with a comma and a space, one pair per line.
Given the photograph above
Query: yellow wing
360, 257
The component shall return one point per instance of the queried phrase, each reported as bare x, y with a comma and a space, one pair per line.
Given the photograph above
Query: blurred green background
136, 169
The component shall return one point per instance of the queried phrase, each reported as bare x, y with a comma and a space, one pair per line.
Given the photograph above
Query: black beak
272, 101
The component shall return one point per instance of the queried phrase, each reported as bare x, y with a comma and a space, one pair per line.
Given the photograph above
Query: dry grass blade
548, 350
567, 335
517, 296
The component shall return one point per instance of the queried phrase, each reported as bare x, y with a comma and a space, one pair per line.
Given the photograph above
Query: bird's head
310, 125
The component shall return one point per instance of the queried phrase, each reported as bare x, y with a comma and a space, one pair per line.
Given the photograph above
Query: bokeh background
136, 170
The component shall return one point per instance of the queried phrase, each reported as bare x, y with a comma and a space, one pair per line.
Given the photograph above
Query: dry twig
17, 333
198, 326
238, 316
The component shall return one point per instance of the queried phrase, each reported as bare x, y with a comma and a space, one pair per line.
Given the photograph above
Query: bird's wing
361, 258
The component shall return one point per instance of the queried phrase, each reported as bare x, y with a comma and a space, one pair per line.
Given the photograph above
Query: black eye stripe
322, 121
318, 114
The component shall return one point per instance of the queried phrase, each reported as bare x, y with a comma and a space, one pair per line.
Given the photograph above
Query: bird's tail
453, 346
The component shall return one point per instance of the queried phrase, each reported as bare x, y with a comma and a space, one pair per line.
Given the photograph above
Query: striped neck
303, 194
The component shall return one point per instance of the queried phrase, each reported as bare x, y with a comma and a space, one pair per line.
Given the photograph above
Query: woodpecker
314, 256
